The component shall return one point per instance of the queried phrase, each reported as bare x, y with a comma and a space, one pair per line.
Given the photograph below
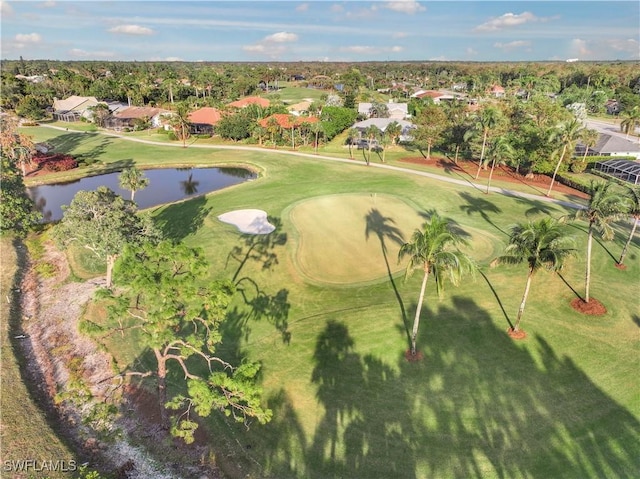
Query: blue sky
320, 30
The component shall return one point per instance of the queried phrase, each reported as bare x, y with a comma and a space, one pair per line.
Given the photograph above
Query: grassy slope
563, 403
25, 431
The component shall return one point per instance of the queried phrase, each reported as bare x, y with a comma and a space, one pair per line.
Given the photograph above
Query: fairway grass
564, 402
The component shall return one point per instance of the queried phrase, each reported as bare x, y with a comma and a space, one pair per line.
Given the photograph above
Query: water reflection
165, 185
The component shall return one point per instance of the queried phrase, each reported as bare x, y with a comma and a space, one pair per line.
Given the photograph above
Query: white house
397, 111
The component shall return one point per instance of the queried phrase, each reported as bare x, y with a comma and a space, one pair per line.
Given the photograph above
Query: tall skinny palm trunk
484, 145
416, 320
516, 327
626, 246
493, 165
111, 260
555, 172
587, 276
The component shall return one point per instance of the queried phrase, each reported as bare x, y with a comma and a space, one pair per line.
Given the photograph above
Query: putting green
355, 238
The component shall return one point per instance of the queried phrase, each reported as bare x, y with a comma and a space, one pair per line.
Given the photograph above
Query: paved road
460, 182
610, 129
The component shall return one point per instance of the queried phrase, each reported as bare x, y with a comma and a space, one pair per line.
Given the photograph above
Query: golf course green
323, 306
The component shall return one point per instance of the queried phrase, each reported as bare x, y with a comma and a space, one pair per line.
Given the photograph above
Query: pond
165, 186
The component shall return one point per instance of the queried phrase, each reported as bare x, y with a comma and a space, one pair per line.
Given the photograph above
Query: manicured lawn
562, 403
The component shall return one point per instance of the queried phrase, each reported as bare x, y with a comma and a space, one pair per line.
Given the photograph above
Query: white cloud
303, 7
131, 30
370, 50
47, 4
580, 47
281, 37
28, 38
173, 59
335, 8
399, 35
509, 20
409, 7
629, 45
441, 58
258, 48
5, 8
512, 45
471, 51
79, 53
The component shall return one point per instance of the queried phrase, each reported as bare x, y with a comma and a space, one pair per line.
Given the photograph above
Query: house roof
206, 116
75, 102
382, 123
364, 108
427, 93
301, 106
496, 89
608, 144
250, 100
287, 121
139, 112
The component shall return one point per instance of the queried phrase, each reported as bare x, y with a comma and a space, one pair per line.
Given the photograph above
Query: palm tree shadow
481, 206
597, 240
454, 225
383, 227
570, 287
495, 294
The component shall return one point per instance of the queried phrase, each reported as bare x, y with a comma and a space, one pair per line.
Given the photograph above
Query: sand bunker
248, 221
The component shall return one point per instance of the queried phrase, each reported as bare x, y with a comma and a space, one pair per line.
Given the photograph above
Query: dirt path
59, 355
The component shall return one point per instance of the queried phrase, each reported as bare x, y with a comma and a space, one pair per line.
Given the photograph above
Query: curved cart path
465, 183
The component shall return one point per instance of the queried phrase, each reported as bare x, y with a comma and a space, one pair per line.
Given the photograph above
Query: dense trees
17, 211
165, 298
103, 223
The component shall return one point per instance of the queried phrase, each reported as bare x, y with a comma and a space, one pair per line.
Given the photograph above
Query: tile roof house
300, 108
204, 119
250, 100
287, 121
74, 107
125, 118
497, 91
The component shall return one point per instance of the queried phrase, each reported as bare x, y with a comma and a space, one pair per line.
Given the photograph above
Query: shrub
55, 162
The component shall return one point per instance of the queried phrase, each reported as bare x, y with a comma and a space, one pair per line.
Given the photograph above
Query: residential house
612, 106
126, 117
382, 124
497, 91
397, 111
612, 145
287, 121
204, 120
250, 100
300, 108
74, 108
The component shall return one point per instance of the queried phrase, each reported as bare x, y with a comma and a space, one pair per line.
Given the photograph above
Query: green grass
25, 432
562, 403
290, 93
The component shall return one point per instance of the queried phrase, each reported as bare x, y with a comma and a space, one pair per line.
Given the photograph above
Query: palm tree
633, 205
631, 120
352, 134
433, 250
566, 133
541, 244
499, 150
372, 132
486, 121
133, 179
605, 206
181, 124
394, 130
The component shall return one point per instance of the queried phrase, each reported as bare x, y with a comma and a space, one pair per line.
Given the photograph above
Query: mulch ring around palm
413, 358
592, 308
519, 334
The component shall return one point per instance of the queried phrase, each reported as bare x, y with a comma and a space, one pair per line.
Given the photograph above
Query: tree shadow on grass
179, 220
568, 285
596, 238
383, 227
477, 205
478, 405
